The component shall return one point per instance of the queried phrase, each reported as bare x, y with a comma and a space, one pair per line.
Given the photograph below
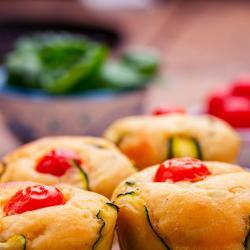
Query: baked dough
145, 139
104, 165
210, 214
86, 221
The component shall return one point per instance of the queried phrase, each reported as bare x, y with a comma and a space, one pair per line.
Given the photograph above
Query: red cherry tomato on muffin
33, 198
57, 162
183, 169
165, 111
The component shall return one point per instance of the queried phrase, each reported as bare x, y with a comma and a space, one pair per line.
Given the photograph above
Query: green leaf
145, 61
61, 63
118, 75
59, 81
56, 63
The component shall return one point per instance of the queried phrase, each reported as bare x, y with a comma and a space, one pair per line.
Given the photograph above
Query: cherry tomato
237, 111
165, 111
57, 162
182, 169
232, 108
241, 87
33, 198
215, 103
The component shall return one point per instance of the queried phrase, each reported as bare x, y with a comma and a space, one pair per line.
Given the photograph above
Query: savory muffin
149, 140
86, 162
185, 204
39, 217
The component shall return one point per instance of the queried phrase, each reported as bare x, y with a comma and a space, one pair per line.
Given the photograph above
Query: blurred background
72, 67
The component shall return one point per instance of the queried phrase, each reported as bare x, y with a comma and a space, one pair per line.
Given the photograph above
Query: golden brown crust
216, 168
70, 226
208, 214
104, 164
144, 138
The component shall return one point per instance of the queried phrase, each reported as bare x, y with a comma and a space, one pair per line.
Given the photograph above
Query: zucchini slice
134, 228
76, 176
84, 177
130, 183
106, 232
17, 242
181, 146
247, 242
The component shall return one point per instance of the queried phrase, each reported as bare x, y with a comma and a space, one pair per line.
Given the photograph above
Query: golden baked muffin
61, 217
86, 162
150, 140
185, 204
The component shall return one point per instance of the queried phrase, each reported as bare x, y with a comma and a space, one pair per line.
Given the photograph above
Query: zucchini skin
127, 193
85, 179
98, 216
134, 224
247, 242
113, 206
25, 242
150, 224
171, 150
16, 242
199, 149
105, 233
130, 183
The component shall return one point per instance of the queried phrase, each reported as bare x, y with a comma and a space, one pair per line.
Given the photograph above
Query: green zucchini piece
113, 206
84, 177
130, 183
76, 176
135, 230
106, 232
247, 242
17, 242
131, 193
181, 146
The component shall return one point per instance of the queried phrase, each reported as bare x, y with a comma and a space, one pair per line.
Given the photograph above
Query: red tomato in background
216, 103
232, 105
241, 87
165, 111
237, 111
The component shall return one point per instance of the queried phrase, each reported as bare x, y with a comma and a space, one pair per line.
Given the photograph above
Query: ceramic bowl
32, 114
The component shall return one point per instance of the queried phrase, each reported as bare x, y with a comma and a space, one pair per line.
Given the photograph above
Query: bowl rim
41, 94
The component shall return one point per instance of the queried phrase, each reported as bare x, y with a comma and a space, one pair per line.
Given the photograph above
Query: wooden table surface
204, 44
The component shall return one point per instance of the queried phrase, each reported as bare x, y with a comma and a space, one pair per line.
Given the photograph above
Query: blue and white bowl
33, 113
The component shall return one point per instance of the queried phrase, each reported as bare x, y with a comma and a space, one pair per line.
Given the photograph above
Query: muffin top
150, 140
207, 213
73, 224
101, 162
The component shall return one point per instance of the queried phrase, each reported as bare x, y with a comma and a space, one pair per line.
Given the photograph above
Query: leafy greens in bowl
62, 63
